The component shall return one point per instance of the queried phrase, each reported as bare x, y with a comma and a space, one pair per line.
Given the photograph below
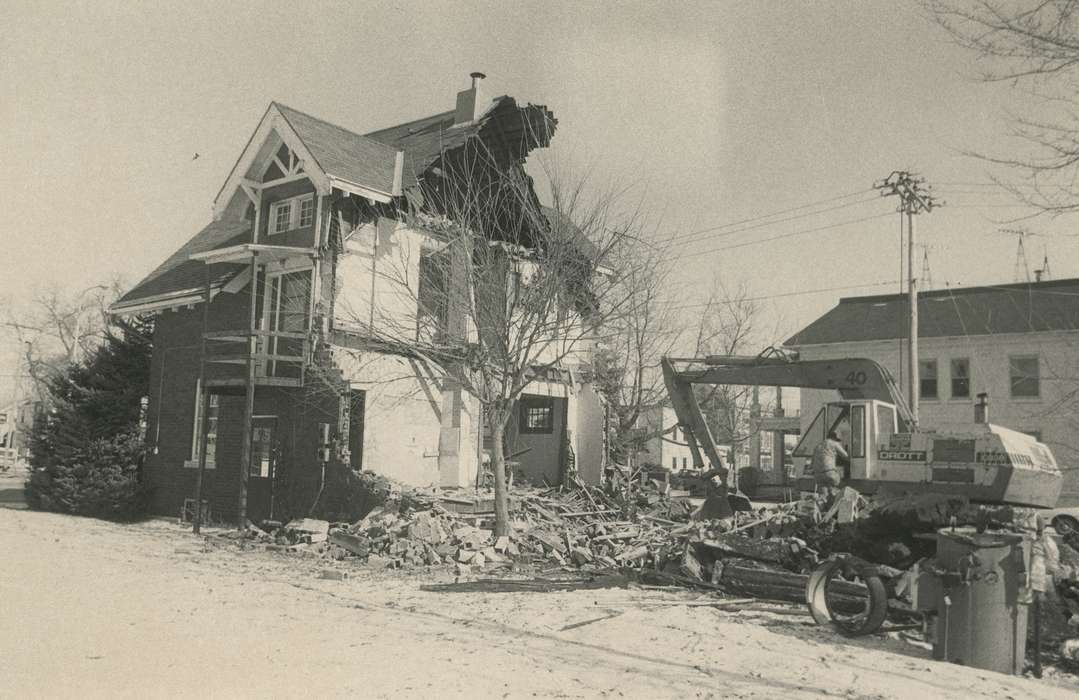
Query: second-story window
1024, 374
282, 216
307, 212
960, 378
293, 213
928, 383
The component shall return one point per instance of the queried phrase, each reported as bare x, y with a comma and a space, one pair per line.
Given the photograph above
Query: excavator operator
828, 458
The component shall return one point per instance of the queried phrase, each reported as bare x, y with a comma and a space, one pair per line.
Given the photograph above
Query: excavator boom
853, 378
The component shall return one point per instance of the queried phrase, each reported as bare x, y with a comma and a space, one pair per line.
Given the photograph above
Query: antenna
926, 278
1021, 273
1043, 274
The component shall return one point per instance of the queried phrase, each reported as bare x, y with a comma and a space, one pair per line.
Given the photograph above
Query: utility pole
914, 198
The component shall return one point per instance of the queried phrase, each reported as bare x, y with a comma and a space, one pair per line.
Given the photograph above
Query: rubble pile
592, 529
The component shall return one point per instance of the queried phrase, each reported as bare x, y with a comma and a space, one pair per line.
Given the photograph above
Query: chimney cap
476, 77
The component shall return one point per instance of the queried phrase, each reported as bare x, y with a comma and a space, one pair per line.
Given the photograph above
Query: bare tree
627, 362
505, 291
1035, 48
727, 326
58, 328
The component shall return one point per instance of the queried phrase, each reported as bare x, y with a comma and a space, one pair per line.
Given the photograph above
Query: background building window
927, 370
1024, 374
961, 378
537, 414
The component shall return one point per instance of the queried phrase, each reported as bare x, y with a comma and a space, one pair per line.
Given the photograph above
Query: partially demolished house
295, 265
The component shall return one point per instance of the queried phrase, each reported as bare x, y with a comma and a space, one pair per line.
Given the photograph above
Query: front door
260, 474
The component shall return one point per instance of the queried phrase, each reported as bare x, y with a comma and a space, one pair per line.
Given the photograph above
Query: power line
697, 234
761, 217
791, 234
822, 290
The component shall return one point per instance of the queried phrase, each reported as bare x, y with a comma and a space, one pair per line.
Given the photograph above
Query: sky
706, 113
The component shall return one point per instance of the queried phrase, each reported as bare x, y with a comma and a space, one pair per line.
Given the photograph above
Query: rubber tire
1070, 524
817, 600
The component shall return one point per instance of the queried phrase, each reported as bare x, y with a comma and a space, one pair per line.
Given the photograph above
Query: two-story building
314, 253
1017, 343
666, 446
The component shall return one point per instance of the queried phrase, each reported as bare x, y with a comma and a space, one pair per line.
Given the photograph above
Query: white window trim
196, 430
952, 377
921, 376
1026, 397
293, 216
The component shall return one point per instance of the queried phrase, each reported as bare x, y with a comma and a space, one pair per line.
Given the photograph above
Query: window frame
857, 431
952, 377
212, 427
301, 205
1037, 377
540, 403
922, 378
295, 220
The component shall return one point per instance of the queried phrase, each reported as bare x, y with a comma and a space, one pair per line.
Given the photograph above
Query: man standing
825, 470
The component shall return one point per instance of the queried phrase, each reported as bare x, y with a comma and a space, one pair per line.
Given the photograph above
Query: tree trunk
498, 466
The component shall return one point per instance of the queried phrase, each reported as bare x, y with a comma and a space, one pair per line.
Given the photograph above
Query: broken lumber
360, 546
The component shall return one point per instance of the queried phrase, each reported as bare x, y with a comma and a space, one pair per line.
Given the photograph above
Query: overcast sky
711, 112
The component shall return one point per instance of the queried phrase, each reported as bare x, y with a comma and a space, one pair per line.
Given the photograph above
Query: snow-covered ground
94, 609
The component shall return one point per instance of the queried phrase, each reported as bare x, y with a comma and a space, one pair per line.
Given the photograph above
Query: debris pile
592, 529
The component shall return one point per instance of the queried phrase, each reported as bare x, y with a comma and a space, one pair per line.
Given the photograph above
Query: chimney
981, 409
470, 102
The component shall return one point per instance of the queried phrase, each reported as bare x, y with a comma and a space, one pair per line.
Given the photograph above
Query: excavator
890, 453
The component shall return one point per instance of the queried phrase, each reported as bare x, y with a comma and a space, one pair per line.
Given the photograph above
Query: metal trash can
977, 585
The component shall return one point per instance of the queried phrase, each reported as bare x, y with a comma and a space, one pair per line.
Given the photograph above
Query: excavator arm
853, 378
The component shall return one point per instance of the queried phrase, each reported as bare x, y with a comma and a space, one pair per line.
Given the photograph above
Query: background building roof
960, 311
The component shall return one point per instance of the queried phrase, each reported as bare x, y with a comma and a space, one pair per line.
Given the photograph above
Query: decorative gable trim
272, 121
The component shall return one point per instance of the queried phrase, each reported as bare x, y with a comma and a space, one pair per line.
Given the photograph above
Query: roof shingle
987, 310
178, 273
344, 154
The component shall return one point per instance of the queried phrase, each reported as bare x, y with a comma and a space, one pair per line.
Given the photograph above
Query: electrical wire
698, 235
782, 236
764, 297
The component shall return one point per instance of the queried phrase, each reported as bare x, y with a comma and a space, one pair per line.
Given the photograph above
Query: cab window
857, 431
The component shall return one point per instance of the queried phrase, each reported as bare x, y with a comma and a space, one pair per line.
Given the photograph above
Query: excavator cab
862, 426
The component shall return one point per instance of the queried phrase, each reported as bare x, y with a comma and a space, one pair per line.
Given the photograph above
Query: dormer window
293, 213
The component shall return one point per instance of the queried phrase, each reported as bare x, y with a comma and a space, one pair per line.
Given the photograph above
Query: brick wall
174, 374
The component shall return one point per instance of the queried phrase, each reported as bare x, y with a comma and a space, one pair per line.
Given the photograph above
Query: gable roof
987, 310
180, 276
344, 154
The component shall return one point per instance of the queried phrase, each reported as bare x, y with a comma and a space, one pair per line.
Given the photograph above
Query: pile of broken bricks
584, 529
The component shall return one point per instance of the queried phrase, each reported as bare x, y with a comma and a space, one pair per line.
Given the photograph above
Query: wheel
872, 609
1065, 524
